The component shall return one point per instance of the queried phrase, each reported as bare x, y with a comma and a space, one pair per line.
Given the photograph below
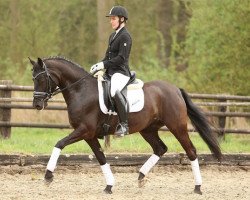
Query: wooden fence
221, 103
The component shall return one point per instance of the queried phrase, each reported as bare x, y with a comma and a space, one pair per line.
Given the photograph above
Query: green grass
41, 141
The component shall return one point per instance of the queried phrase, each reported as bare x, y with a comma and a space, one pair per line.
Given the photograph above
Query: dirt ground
87, 182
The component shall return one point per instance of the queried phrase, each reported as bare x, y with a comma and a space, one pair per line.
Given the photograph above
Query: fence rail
226, 114
221, 102
220, 97
65, 126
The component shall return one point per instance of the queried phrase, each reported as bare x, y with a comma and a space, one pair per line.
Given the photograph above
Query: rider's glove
96, 67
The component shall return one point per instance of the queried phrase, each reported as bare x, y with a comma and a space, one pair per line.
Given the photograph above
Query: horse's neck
65, 73
81, 93
73, 78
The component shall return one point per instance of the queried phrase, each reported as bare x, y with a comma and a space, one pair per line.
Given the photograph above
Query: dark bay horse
165, 104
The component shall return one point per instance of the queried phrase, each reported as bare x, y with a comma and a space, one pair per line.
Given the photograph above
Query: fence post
222, 120
5, 113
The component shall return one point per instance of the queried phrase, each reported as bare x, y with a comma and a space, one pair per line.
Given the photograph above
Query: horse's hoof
197, 189
48, 178
47, 182
142, 182
141, 176
107, 190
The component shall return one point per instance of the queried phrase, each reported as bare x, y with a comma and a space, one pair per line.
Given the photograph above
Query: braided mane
64, 59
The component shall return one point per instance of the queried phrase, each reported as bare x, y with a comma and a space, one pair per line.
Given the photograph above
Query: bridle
45, 96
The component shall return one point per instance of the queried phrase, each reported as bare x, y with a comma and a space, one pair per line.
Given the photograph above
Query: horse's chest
74, 116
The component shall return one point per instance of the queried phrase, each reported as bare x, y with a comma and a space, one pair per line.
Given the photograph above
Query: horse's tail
202, 125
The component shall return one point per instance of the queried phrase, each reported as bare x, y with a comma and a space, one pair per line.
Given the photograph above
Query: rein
58, 90
49, 94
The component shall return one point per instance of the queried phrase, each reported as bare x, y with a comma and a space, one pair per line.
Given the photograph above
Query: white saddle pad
135, 97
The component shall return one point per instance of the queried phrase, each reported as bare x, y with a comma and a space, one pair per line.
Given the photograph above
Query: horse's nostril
37, 106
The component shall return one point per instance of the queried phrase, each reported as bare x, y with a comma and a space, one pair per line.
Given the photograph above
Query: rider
116, 63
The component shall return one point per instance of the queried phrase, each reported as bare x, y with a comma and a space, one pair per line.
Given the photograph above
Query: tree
77, 28
218, 47
202, 45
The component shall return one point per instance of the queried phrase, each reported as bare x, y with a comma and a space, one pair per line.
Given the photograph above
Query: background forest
200, 45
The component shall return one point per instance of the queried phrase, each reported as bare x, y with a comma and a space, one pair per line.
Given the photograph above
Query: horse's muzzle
39, 104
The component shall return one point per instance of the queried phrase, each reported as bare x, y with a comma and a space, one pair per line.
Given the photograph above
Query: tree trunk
104, 28
14, 47
165, 23
172, 21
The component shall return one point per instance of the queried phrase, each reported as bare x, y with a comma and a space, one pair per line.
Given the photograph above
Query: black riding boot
120, 103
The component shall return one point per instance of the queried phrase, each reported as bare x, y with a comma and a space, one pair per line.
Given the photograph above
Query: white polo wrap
196, 172
110, 180
53, 159
149, 164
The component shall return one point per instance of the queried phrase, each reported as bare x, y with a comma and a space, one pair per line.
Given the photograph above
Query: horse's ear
40, 62
32, 61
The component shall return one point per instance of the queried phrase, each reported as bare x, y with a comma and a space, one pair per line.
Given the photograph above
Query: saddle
106, 84
132, 92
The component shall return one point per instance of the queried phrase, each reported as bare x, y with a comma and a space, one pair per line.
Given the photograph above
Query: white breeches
118, 81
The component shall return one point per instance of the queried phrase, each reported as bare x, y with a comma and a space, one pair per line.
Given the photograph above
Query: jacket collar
116, 35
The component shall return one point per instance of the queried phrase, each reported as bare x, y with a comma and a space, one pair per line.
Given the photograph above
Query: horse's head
44, 86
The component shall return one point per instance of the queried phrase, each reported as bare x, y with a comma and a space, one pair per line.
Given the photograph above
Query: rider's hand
96, 67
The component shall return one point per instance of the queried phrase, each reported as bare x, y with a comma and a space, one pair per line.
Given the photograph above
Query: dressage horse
165, 104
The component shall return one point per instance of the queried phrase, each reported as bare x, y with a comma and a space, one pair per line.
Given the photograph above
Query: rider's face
114, 20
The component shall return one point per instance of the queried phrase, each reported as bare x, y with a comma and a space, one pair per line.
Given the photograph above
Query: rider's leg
120, 103
118, 82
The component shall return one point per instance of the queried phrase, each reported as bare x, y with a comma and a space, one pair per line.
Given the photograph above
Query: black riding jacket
117, 55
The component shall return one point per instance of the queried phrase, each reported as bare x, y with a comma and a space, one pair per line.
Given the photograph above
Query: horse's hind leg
182, 136
159, 148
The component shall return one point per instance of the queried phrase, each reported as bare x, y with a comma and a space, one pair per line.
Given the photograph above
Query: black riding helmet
118, 11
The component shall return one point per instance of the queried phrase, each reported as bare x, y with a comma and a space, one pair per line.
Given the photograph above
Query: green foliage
45, 29
142, 25
201, 45
218, 47
77, 24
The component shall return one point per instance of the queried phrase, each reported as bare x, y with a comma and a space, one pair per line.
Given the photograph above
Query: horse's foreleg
159, 149
96, 148
52, 165
75, 136
109, 177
